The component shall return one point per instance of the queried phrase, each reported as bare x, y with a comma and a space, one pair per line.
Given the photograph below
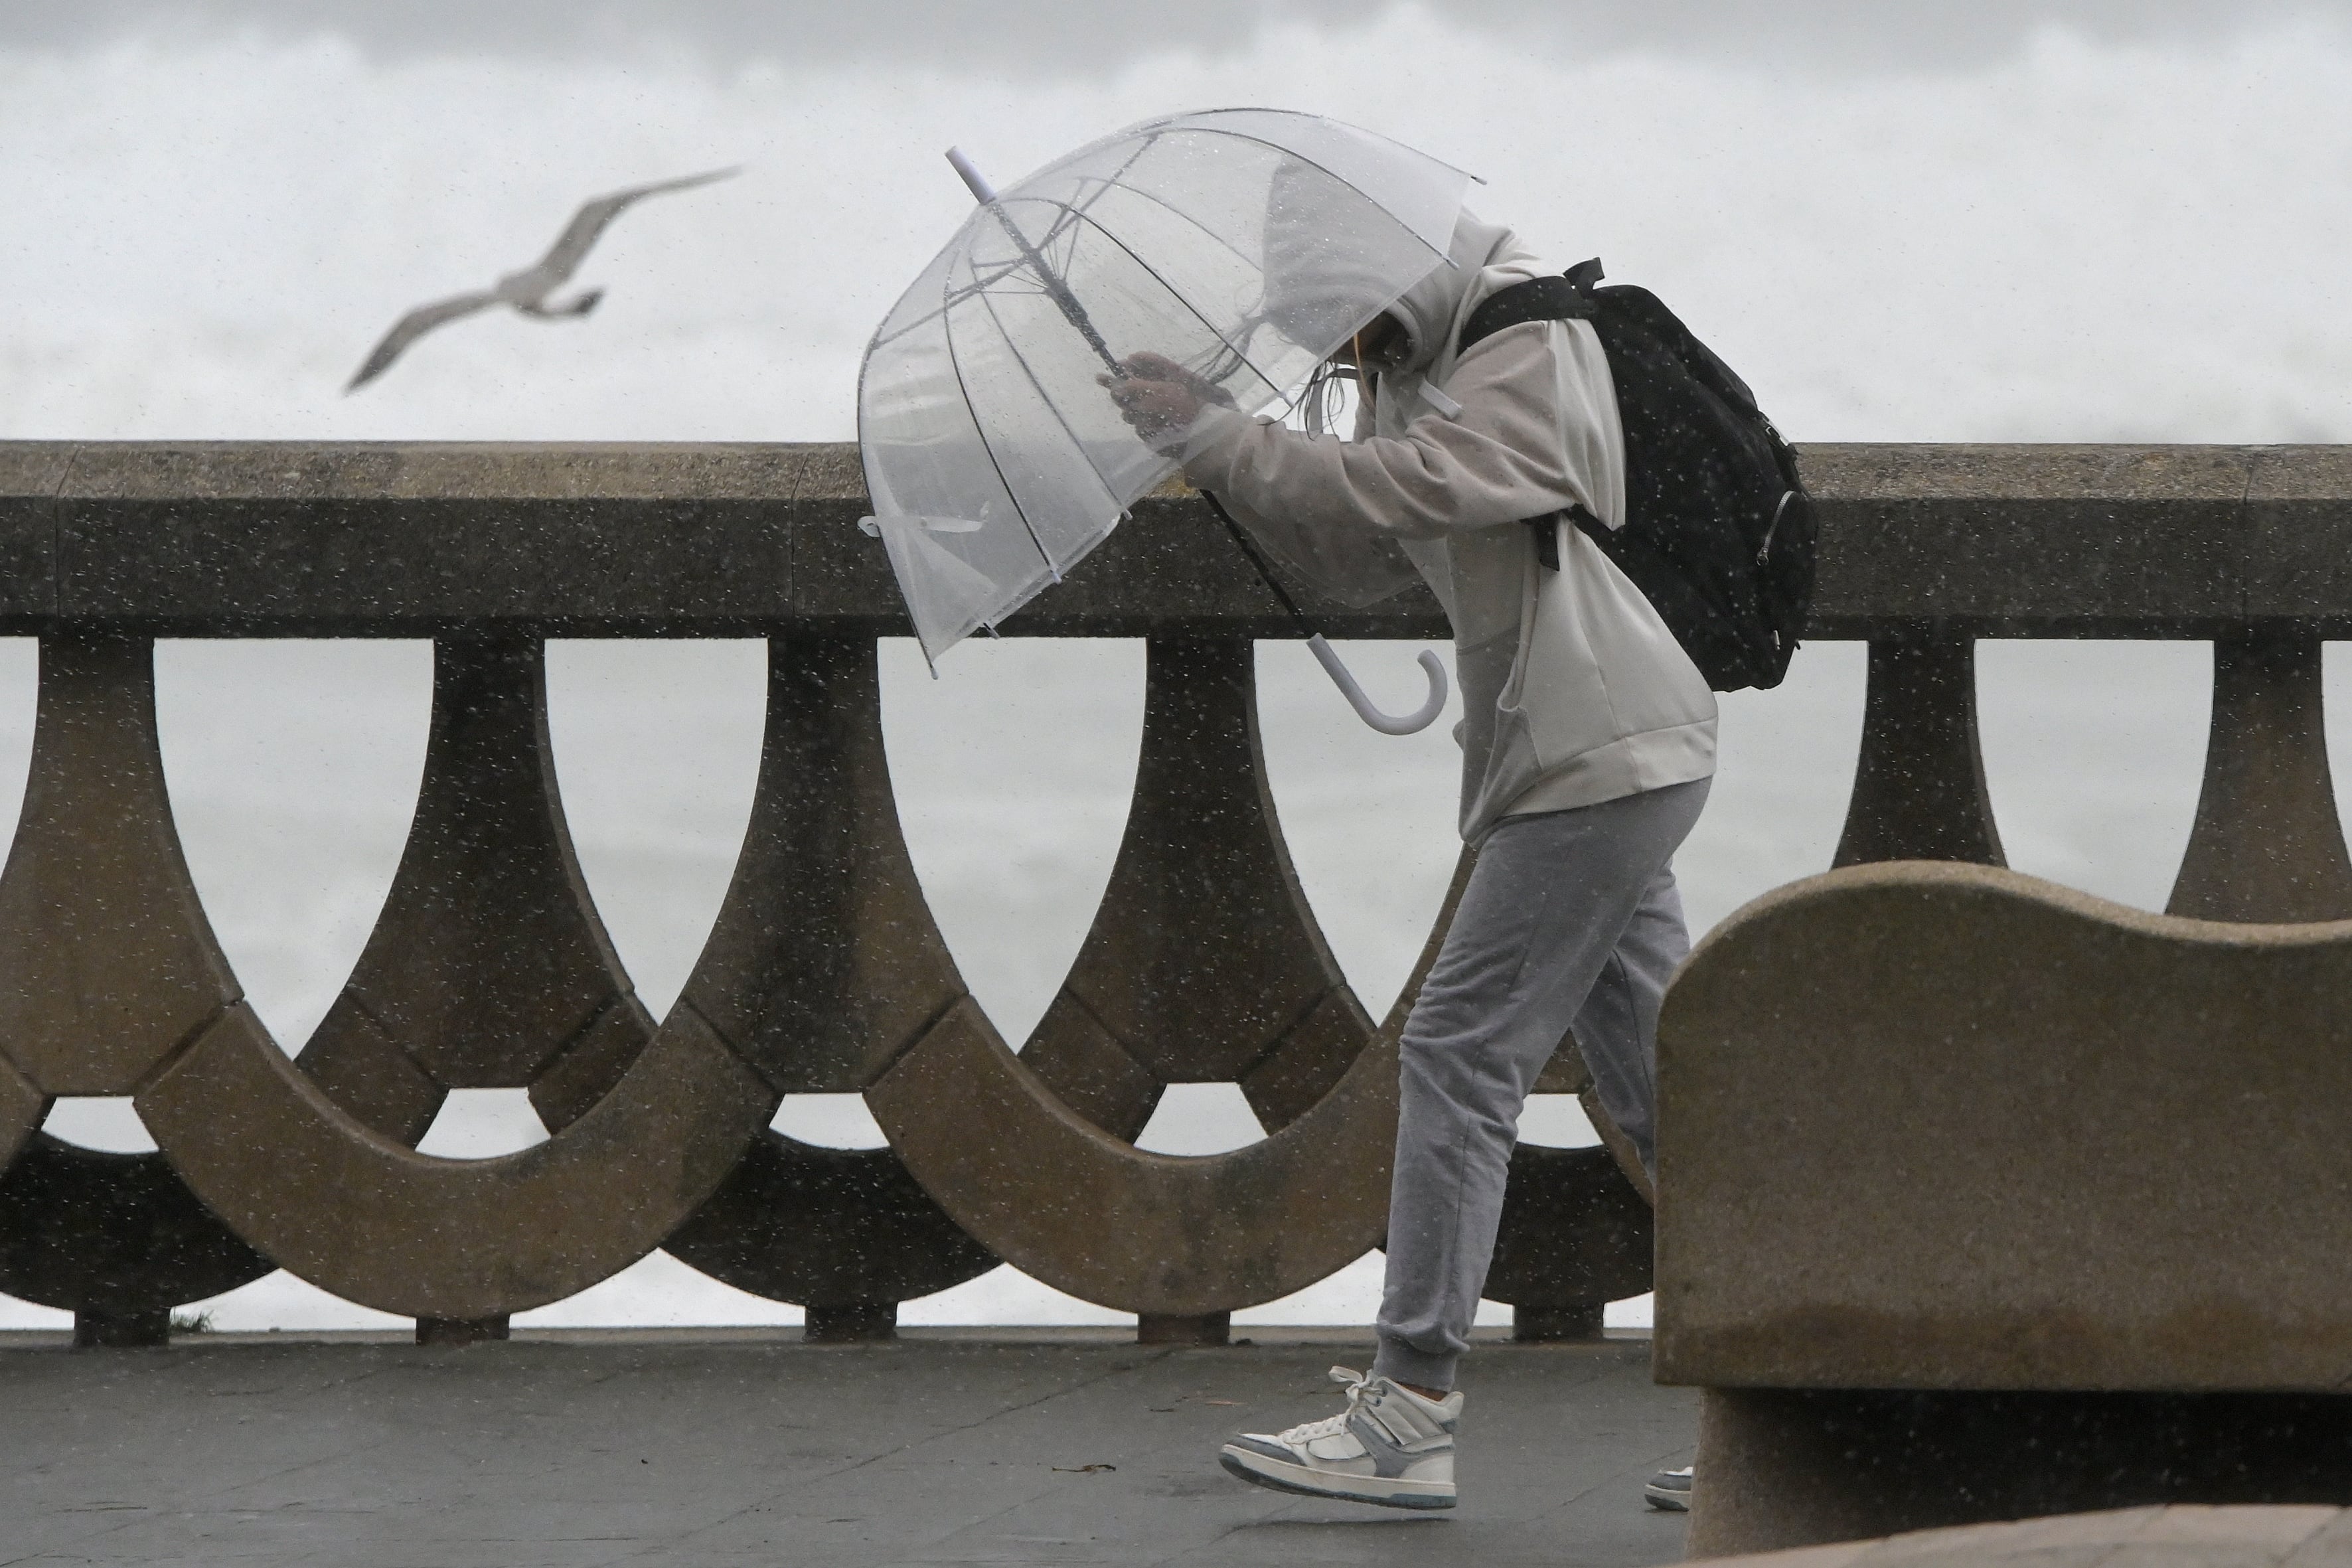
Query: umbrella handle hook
1408, 724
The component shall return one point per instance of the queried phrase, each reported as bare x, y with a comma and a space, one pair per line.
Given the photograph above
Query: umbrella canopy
1246, 244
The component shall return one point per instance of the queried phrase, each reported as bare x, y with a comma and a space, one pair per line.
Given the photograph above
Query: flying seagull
527, 291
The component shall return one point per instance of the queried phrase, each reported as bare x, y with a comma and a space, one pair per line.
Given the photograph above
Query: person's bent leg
1618, 1033
1617, 1029
1548, 904
1546, 909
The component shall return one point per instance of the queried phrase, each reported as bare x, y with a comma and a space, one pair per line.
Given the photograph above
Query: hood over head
1323, 284
1486, 256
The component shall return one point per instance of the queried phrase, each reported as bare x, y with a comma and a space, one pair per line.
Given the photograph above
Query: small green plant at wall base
191, 1323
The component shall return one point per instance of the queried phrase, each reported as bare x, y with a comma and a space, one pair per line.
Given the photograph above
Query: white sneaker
1670, 1491
1390, 1447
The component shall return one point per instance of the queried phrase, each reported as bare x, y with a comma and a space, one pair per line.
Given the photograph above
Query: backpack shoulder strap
1561, 298
1537, 300
1646, 311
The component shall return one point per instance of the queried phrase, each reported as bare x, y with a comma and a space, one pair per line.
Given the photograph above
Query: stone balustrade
823, 971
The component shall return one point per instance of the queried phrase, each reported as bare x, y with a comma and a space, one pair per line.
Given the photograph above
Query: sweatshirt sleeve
1353, 566
1501, 459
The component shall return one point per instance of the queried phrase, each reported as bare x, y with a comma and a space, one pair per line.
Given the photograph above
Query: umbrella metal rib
947, 325
1085, 324
1013, 346
1153, 250
1056, 288
1078, 317
980, 285
1177, 295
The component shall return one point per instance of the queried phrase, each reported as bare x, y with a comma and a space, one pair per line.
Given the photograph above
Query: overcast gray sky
1060, 35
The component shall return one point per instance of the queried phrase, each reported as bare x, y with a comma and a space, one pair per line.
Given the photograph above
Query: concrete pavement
724, 1448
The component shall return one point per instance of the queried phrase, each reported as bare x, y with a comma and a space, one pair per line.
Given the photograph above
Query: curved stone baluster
1158, 1235
1204, 964
1576, 1234
108, 967
1919, 785
2268, 844
456, 1243
22, 1107
487, 969
824, 966
1576, 1231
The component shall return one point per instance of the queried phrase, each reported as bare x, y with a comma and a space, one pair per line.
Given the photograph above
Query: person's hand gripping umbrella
993, 458
1160, 398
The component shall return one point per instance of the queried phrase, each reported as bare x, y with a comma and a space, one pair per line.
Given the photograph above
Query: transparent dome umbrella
1245, 245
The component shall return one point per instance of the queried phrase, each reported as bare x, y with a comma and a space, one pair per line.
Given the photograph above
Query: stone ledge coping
708, 539
2180, 1536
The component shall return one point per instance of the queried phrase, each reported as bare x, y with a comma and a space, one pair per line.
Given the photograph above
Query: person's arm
1501, 459
1165, 404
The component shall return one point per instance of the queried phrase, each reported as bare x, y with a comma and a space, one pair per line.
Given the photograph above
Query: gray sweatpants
1570, 918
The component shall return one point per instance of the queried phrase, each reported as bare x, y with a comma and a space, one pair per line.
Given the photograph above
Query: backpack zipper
1764, 551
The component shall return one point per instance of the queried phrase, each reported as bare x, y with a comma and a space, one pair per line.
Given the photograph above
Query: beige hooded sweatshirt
1573, 690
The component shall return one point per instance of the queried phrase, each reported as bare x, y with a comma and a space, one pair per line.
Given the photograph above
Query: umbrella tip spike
974, 181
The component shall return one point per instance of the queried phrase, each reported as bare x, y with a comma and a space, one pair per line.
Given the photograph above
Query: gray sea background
2090, 223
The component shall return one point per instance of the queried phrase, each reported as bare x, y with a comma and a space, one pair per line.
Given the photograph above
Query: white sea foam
2081, 241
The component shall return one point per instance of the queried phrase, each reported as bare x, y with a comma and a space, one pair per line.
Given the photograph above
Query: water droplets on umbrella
995, 462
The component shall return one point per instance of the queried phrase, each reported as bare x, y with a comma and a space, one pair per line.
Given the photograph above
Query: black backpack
1718, 532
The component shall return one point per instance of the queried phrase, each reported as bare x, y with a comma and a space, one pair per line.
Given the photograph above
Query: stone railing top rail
376, 539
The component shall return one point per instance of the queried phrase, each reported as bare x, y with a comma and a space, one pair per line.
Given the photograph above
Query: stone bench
1981, 1198
2178, 1537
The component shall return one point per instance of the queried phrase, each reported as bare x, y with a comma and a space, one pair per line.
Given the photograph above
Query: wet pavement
715, 1447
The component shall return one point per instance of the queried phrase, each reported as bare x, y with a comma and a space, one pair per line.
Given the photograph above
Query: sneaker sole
1667, 1500
1298, 1480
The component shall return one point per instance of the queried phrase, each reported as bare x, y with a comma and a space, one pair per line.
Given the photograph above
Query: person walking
1588, 744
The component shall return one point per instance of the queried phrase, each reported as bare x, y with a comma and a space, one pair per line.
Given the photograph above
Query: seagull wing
414, 325
589, 223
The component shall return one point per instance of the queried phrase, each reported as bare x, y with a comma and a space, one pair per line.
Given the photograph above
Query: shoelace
1332, 1426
